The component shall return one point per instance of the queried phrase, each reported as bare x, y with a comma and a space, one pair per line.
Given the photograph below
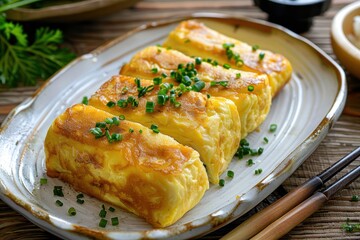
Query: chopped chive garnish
228, 45
116, 137
221, 182
250, 88
43, 181
164, 75
140, 131
230, 174
102, 213
255, 47
354, 198
155, 128
114, 221
350, 227
161, 99
80, 201
72, 211
122, 117
238, 75
221, 83
250, 162
177, 104
122, 103
258, 171
137, 82
80, 195
59, 203
150, 107
261, 56
131, 130
110, 104
208, 95
58, 191
198, 86
157, 80
85, 100
124, 90
154, 70
198, 60
102, 223
226, 66
260, 150
265, 140
111, 209
273, 127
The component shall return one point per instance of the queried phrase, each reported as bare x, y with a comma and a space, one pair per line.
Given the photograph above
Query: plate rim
216, 218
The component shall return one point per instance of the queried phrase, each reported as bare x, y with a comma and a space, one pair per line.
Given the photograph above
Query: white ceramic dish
304, 111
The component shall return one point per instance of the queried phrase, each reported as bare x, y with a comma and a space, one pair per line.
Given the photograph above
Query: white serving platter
304, 111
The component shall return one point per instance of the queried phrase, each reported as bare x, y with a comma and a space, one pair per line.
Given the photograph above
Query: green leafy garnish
24, 62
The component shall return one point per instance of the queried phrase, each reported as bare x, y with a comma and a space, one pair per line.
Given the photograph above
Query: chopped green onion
137, 82
116, 121
177, 104
198, 60
102, 213
122, 103
221, 182
58, 191
198, 86
230, 174
140, 131
250, 88
97, 132
221, 83
122, 117
59, 203
72, 211
85, 100
109, 120
110, 104
100, 125
111, 209
102, 223
350, 227
157, 80
164, 75
161, 99
273, 127
208, 95
124, 90
258, 171
260, 150
186, 81
238, 75
80, 201
155, 128
255, 47
154, 70
115, 137
354, 198
80, 195
131, 130
266, 140
150, 107
261, 56
114, 221
43, 181
228, 45
250, 162
226, 66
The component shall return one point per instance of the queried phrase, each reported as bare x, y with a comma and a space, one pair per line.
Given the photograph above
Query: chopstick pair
279, 218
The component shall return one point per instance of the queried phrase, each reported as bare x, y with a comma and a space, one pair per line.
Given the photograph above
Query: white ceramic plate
304, 112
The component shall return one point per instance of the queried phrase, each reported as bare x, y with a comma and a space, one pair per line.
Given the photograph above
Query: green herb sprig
23, 62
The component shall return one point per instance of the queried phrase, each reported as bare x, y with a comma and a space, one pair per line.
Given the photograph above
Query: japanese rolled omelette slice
146, 173
195, 39
210, 126
250, 92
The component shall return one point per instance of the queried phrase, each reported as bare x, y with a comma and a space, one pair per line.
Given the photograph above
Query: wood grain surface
344, 136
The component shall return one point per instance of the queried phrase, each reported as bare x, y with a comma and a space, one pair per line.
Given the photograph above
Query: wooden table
344, 136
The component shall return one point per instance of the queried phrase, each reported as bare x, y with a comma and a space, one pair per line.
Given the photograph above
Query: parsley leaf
24, 62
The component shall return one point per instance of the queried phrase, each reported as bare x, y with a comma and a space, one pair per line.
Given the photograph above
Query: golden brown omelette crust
76, 122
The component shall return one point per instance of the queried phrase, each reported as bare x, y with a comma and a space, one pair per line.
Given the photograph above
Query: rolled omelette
146, 173
195, 39
250, 92
209, 125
